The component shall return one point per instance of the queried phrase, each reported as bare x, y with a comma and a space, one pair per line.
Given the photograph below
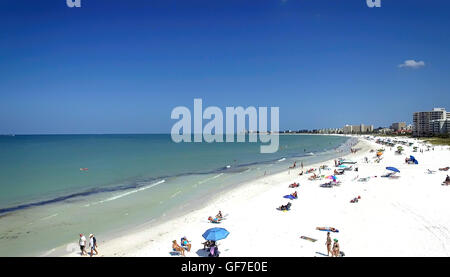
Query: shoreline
37, 231
155, 228
405, 216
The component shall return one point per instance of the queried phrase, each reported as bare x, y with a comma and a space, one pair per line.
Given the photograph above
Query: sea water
53, 187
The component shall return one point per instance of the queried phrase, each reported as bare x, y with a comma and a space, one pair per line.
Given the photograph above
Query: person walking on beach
82, 243
93, 244
328, 244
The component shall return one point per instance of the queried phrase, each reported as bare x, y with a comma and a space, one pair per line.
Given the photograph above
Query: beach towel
289, 197
308, 238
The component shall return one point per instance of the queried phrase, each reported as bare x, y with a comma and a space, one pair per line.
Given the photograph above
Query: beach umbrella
215, 234
393, 169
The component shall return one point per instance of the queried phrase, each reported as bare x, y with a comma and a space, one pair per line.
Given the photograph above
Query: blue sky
116, 66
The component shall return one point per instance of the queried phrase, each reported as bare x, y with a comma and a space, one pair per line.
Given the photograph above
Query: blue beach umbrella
412, 158
393, 169
215, 234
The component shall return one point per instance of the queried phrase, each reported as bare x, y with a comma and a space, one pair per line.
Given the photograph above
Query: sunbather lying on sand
177, 248
390, 174
444, 169
294, 194
355, 200
340, 172
294, 185
329, 229
214, 220
286, 207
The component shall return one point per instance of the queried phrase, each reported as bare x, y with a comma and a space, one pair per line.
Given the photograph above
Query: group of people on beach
334, 250
92, 245
185, 244
216, 219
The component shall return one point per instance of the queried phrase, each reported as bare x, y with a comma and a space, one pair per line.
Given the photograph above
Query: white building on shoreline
357, 129
431, 123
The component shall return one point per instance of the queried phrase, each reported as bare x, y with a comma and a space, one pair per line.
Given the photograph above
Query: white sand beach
406, 216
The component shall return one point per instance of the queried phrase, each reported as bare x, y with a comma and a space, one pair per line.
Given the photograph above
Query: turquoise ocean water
46, 200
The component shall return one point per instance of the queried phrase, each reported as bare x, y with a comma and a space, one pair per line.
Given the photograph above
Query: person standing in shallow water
328, 244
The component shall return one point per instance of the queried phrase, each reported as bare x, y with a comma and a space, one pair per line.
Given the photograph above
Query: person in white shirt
93, 244
82, 243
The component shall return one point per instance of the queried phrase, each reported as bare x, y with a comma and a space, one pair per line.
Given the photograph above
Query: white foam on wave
282, 159
48, 217
210, 178
127, 193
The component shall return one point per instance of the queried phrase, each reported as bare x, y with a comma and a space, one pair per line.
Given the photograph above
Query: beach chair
177, 250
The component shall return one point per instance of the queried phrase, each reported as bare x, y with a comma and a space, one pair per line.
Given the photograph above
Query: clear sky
121, 66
